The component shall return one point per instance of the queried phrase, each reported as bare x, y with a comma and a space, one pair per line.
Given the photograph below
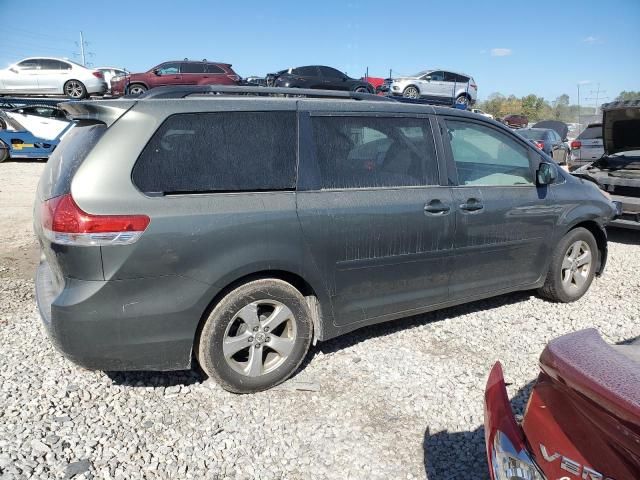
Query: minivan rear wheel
572, 267
256, 336
137, 89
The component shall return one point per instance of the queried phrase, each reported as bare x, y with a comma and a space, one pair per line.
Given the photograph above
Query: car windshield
423, 72
532, 134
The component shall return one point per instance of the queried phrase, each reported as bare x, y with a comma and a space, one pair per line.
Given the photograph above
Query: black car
548, 141
317, 76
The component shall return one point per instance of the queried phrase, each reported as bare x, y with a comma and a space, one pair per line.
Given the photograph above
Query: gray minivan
195, 224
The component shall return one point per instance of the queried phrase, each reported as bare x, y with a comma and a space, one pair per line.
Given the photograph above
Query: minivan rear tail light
65, 223
576, 144
539, 144
235, 78
98, 74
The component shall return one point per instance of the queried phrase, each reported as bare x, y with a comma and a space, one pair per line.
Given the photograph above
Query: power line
82, 54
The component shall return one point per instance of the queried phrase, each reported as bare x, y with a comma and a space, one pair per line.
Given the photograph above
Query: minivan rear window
220, 152
67, 158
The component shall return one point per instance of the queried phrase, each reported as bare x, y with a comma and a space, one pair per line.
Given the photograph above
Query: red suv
184, 72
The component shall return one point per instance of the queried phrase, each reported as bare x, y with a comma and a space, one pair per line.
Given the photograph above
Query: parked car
110, 73
51, 76
242, 228
439, 86
481, 112
255, 81
46, 111
515, 121
587, 146
320, 77
185, 72
29, 136
375, 82
549, 142
617, 171
583, 416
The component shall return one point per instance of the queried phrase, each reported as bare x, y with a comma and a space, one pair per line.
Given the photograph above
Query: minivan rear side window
372, 152
68, 156
220, 152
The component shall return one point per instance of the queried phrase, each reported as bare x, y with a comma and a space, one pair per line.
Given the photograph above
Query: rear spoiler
105, 111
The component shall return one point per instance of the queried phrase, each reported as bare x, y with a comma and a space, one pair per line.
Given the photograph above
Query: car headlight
510, 464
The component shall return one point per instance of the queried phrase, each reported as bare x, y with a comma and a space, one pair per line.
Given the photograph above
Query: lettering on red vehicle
572, 466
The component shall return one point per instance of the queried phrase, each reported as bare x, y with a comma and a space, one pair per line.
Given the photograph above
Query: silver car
51, 76
436, 85
587, 146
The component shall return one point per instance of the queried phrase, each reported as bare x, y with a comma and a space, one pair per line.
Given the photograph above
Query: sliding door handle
436, 207
472, 205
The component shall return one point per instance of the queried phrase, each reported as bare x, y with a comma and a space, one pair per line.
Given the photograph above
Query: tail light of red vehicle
507, 453
576, 144
97, 74
539, 144
65, 223
235, 78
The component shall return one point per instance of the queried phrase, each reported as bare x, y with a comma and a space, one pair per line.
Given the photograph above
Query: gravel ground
400, 400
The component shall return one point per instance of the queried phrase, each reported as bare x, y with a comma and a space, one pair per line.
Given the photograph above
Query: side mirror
344, 79
11, 69
428, 78
156, 71
546, 173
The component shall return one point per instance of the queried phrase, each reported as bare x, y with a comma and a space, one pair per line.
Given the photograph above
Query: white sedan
480, 112
51, 76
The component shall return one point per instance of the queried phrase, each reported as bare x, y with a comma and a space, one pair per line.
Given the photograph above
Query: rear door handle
436, 207
472, 205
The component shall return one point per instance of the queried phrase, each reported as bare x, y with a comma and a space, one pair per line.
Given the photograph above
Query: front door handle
472, 205
436, 207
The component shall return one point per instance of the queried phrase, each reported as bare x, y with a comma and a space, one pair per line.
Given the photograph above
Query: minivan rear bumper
122, 324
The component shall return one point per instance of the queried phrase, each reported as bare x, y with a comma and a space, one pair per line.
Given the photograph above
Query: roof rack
170, 92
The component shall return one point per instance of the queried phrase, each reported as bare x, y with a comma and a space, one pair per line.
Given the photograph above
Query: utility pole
83, 54
82, 49
598, 97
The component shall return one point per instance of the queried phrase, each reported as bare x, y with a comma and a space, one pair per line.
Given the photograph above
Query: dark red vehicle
515, 121
582, 420
185, 72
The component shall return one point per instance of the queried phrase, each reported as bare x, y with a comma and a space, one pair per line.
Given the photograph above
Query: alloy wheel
462, 100
411, 92
74, 89
136, 90
576, 265
259, 338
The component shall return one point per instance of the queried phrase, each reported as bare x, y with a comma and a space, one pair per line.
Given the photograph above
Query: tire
136, 89
4, 153
411, 92
362, 90
75, 90
463, 100
572, 268
245, 314
3, 124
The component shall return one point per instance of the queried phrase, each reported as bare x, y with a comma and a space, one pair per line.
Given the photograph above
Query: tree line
537, 108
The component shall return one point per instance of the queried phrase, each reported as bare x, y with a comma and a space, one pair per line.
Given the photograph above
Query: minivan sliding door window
374, 152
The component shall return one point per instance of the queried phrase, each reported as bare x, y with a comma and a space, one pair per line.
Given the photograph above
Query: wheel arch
137, 82
600, 235
314, 301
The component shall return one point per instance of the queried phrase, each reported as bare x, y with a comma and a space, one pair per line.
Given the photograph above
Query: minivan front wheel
256, 336
136, 89
572, 267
